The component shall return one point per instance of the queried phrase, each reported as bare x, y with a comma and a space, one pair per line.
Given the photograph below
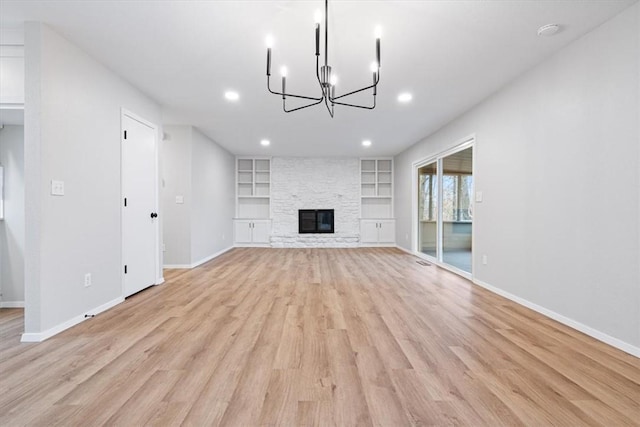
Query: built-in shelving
252, 224
377, 226
376, 188
253, 188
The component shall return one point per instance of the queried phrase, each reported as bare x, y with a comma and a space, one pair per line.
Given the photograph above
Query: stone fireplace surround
315, 183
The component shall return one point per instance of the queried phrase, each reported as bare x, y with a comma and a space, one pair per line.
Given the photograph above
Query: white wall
558, 162
203, 173
72, 133
315, 183
12, 227
213, 202
176, 181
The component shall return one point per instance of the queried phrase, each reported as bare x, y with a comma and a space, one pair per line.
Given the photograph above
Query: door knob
154, 215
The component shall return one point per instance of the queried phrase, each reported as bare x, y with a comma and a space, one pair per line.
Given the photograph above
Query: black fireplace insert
315, 221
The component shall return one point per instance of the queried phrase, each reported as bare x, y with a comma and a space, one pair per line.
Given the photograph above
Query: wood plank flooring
315, 337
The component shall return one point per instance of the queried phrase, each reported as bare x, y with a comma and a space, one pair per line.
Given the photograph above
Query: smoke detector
548, 30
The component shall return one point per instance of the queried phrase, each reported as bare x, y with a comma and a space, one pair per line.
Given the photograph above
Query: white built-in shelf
376, 188
253, 188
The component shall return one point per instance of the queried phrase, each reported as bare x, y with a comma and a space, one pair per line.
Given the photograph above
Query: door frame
459, 145
158, 261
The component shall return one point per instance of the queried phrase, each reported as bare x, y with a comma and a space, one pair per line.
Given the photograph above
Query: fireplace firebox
315, 221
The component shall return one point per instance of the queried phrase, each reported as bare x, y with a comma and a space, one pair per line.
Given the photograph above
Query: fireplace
315, 221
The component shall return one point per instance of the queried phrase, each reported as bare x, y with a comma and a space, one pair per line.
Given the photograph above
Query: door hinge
125, 269
125, 202
125, 134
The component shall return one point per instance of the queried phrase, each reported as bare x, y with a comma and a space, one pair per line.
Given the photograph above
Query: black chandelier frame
323, 75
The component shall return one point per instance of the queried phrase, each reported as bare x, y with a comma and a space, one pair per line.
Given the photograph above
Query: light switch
478, 196
57, 188
179, 200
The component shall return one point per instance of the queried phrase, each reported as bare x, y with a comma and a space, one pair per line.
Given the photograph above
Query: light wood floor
315, 337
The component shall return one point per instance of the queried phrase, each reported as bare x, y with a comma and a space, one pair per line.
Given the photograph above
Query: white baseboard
200, 262
159, 281
11, 304
176, 266
410, 252
41, 336
594, 333
210, 257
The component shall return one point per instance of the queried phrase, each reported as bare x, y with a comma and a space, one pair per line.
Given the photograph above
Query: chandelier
326, 79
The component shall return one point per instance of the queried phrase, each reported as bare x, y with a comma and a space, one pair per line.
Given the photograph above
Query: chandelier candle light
326, 79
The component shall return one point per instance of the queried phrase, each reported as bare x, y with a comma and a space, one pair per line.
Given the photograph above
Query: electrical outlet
87, 280
57, 188
223, 236
164, 247
484, 260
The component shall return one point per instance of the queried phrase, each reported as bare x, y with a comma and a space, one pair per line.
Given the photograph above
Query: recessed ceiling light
405, 97
366, 143
548, 30
265, 142
231, 95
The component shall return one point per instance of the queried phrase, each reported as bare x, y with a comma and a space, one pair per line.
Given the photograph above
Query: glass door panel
457, 209
428, 209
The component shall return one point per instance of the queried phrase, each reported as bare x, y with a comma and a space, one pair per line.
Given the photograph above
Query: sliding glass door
428, 209
457, 211
445, 209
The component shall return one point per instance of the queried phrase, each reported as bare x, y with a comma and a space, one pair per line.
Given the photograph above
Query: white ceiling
185, 54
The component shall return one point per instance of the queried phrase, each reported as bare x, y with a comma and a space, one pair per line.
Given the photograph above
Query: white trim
252, 245
474, 206
414, 208
197, 263
404, 250
41, 336
11, 304
159, 281
210, 257
459, 145
594, 333
186, 266
18, 105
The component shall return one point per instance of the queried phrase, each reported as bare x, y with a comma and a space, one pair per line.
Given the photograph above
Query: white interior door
140, 201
